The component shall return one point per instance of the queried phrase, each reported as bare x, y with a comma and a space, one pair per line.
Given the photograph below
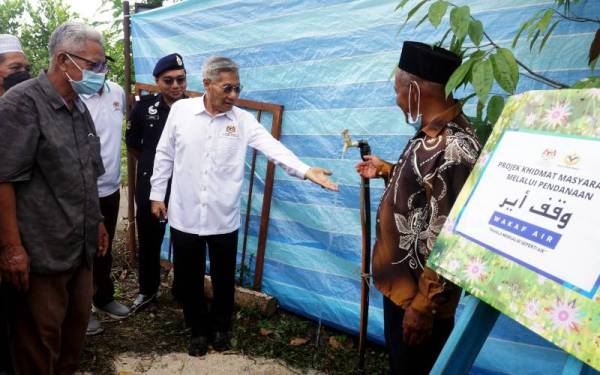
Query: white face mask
416, 121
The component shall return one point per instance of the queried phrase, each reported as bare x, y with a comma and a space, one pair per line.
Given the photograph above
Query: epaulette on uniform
147, 97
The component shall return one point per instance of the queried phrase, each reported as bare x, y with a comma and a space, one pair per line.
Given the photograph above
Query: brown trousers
50, 321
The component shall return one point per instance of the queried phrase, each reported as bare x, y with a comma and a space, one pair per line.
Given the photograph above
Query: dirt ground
154, 341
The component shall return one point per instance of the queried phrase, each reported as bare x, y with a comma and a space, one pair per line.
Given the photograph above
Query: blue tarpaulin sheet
330, 64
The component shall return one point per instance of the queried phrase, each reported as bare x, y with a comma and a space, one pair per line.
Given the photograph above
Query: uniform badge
230, 130
116, 106
152, 110
178, 59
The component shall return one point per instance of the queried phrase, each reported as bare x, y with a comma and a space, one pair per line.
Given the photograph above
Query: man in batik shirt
421, 187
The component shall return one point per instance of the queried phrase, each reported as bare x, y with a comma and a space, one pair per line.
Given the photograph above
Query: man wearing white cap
14, 67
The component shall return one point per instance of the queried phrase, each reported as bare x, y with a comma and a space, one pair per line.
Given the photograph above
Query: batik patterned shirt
419, 194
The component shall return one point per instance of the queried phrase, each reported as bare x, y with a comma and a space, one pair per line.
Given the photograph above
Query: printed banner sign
523, 235
533, 204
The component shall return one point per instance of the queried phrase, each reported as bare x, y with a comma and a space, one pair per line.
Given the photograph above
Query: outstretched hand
319, 177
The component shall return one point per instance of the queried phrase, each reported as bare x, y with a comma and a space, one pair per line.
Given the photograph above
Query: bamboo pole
131, 162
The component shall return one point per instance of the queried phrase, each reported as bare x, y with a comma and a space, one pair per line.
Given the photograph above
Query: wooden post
248, 209
266, 207
131, 167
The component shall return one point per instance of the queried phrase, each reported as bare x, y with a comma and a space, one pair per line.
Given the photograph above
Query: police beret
429, 63
169, 62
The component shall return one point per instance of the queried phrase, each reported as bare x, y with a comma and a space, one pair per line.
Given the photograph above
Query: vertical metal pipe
365, 221
131, 166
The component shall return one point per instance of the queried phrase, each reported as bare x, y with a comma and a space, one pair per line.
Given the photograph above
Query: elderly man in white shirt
107, 108
204, 146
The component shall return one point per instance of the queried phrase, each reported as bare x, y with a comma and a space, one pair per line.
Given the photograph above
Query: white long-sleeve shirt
206, 155
107, 111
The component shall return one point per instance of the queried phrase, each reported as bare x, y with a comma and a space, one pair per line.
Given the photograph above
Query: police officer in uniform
147, 121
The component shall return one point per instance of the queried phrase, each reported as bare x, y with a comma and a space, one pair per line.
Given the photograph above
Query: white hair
214, 65
71, 35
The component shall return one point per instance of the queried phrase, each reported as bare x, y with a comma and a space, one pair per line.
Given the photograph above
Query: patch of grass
160, 329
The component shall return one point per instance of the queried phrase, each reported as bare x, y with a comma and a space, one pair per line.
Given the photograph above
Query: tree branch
533, 75
536, 76
576, 18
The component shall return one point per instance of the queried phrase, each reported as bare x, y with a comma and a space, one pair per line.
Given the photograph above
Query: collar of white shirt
202, 108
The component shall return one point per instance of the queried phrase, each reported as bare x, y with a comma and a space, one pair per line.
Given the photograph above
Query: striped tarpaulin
330, 64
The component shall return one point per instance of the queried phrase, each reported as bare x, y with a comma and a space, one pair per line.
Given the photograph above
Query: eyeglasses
227, 89
169, 80
96, 67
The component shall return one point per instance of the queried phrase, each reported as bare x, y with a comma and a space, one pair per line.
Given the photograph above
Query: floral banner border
552, 310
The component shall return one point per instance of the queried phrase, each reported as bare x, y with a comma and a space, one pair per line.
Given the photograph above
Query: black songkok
433, 64
170, 62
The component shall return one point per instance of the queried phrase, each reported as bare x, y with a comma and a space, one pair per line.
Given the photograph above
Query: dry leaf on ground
298, 341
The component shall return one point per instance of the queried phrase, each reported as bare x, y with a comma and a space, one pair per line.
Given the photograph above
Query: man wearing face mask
50, 220
14, 66
148, 118
421, 187
14, 69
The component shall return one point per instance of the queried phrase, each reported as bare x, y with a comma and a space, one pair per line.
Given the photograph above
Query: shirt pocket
95, 155
227, 150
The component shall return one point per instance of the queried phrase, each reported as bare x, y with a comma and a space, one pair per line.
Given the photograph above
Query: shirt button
151, 125
204, 188
210, 137
145, 173
206, 154
205, 172
377, 220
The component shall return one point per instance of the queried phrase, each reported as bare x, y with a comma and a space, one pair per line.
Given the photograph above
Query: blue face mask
90, 83
417, 121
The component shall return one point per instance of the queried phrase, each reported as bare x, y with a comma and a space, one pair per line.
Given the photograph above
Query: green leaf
476, 31
460, 18
494, 108
437, 11
543, 24
537, 34
402, 4
521, 29
587, 83
414, 10
483, 77
512, 64
502, 72
421, 21
524, 26
548, 35
477, 54
458, 76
